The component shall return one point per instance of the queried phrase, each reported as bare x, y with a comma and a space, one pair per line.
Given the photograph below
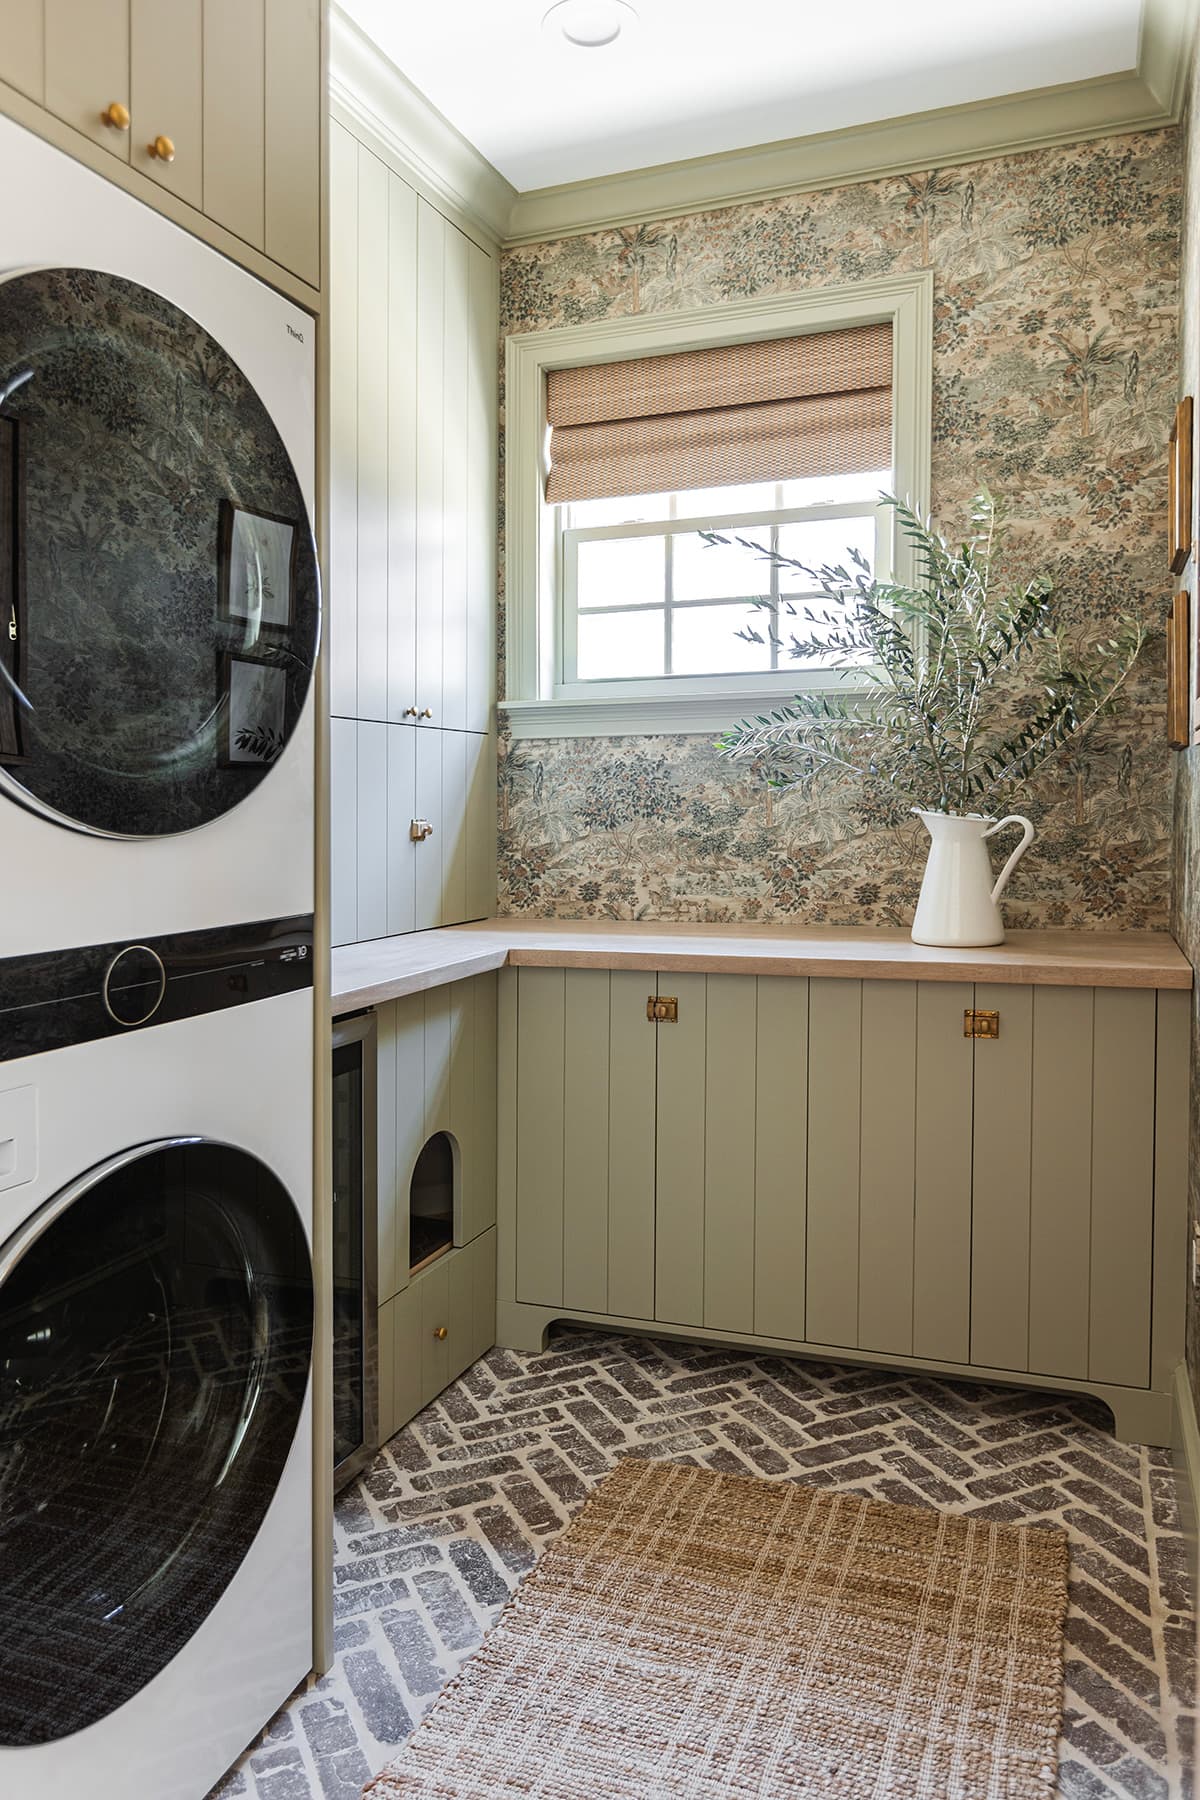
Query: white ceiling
713, 75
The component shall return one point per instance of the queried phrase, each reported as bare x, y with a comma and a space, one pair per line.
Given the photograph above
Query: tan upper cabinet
87, 69
215, 102
22, 46
234, 116
166, 86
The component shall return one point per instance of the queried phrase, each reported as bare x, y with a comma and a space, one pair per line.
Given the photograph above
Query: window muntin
644, 600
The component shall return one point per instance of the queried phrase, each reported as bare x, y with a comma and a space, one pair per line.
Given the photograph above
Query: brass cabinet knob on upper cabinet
162, 148
419, 830
116, 115
425, 713
440, 1333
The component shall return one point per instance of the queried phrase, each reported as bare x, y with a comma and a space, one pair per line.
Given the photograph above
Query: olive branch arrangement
962, 688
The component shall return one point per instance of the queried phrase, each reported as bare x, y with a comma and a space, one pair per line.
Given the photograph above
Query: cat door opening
431, 1202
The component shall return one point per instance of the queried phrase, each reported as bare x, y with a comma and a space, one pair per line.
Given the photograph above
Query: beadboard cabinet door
585, 1136
22, 47
166, 51
436, 1057
87, 68
387, 784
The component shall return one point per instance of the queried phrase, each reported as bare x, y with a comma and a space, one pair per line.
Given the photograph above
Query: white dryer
159, 600
156, 1309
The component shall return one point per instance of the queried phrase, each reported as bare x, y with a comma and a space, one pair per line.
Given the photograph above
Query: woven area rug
700, 1636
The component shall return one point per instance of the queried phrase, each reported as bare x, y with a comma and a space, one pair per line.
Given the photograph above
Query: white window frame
536, 704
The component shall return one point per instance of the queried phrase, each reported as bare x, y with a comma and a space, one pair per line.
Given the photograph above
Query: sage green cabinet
436, 1058
438, 1326
832, 1162
215, 102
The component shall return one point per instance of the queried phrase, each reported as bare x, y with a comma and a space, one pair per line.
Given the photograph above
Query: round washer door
159, 600
155, 1343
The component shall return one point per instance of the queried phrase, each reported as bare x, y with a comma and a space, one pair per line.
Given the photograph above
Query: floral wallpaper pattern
1055, 365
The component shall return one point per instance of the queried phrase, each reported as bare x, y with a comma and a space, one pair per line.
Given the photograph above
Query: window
620, 616
645, 598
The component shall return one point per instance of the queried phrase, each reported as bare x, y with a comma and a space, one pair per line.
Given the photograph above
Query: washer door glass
155, 1342
159, 598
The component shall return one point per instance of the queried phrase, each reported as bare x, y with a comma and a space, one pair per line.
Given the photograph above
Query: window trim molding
904, 301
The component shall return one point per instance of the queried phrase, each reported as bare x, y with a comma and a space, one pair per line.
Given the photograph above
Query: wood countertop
388, 968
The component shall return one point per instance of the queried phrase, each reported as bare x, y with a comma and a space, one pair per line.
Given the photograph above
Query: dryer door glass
158, 584
155, 1341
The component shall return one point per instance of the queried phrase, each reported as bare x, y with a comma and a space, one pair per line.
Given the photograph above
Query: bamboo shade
768, 411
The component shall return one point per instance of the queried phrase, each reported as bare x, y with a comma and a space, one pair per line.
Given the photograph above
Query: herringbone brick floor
453, 1511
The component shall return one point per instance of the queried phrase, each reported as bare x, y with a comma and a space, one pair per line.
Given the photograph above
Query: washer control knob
134, 984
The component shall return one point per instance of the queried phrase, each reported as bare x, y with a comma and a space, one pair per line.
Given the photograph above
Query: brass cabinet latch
662, 1009
419, 830
981, 1024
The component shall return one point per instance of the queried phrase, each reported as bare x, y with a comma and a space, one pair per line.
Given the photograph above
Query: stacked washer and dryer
158, 625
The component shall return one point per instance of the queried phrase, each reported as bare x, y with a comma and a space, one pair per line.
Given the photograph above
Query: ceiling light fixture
590, 24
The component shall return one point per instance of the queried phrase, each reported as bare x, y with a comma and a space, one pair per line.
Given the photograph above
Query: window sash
783, 671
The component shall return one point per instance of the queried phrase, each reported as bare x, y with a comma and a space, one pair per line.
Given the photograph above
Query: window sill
641, 715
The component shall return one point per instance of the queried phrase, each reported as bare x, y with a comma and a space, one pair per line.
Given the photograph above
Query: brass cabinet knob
425, 713
410, 712
115, 115
162, 148
440, 1333
419, 830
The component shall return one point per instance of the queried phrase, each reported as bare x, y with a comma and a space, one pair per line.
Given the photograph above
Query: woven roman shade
773, 411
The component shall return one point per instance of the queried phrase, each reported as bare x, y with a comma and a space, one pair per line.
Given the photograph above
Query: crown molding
377, 102
369, 95
1141, 99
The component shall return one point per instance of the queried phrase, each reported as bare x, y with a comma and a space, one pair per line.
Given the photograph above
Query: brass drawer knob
440, 1333
419, 830
115, 115
162, 148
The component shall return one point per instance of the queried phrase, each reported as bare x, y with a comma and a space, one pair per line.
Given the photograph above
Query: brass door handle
162, 148
440, 1333
419, 830
115, 115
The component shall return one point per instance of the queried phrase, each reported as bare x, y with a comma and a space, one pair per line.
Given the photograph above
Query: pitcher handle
1027, 835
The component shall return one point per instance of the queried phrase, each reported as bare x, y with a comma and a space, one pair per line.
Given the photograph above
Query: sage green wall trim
370, 95
1139, 99
1141, 1415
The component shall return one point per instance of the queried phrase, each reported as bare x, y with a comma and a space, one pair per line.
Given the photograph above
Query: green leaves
939, 670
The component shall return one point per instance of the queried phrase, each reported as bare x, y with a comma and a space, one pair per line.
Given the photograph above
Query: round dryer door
159, 598
155, 1341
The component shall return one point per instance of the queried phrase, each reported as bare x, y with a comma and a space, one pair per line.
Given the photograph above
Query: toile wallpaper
1055, 368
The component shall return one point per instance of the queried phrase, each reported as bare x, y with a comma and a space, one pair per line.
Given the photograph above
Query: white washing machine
159, 599
156, 1309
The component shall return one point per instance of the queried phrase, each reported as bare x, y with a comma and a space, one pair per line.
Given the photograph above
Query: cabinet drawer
443, 1322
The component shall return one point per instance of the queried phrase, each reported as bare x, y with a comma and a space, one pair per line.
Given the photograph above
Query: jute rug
695, 1636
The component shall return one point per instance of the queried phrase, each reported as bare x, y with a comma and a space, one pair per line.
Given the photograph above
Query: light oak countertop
388, 968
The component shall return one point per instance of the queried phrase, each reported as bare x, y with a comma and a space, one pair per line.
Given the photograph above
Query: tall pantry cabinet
412, 554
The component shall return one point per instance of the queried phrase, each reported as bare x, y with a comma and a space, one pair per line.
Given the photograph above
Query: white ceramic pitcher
958, 904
